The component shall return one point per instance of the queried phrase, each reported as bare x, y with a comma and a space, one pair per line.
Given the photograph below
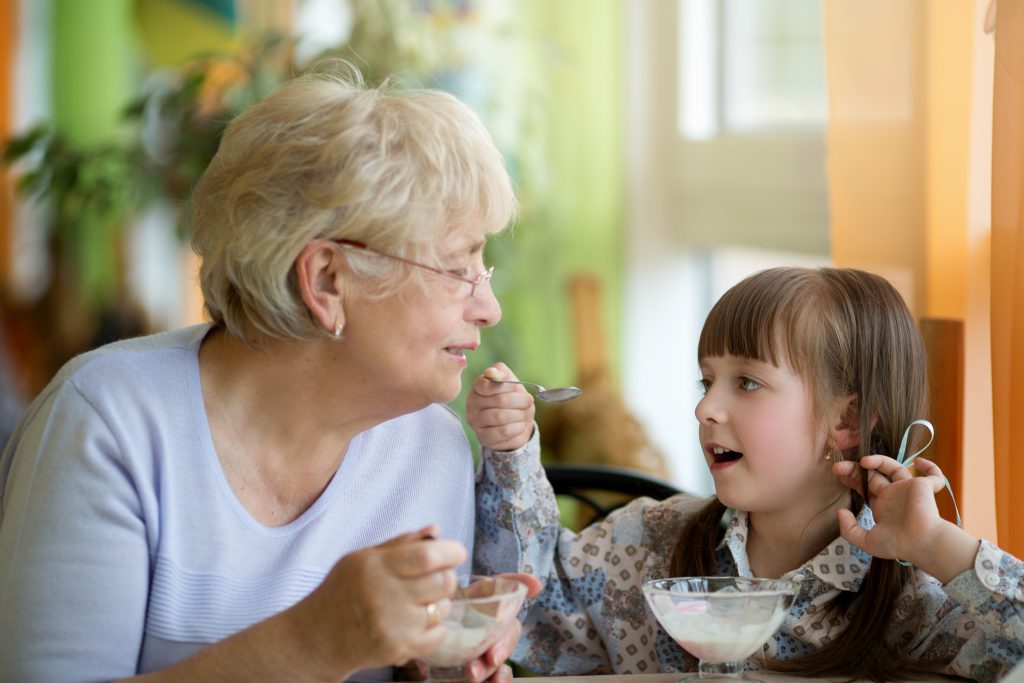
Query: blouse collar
840, 564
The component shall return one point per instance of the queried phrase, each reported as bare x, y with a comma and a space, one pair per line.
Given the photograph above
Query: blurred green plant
91, 193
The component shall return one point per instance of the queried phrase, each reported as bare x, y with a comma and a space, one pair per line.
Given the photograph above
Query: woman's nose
483, 307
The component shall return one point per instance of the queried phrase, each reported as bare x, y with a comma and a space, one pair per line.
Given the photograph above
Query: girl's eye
459, 272
747, 384
703, 385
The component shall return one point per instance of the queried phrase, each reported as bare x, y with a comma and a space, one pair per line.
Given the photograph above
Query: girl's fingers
502, 439
496, 417
928, 469
503, 674
499, 371
484, 387
848, 475
850, 530
517, 399
885, 465
877, 482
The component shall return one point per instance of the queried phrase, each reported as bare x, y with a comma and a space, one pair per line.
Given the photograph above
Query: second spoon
556, 395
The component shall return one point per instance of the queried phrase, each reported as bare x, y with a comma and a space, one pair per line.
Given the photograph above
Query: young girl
810, 378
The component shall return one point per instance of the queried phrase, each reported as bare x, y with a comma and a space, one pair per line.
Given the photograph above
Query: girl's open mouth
723, 455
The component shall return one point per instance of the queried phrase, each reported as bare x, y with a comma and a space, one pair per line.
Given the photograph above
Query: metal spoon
556, 395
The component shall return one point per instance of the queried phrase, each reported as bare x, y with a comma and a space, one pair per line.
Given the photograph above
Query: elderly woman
246, 499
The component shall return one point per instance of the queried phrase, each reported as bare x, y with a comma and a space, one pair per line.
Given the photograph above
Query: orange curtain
908, 167
1007, 274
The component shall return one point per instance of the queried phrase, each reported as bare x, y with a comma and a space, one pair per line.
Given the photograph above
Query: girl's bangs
743, 323
767, 317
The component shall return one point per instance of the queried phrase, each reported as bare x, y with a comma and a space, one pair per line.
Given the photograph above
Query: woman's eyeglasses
473, 283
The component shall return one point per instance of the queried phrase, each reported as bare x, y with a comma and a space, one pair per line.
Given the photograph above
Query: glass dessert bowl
483, 607
720, 620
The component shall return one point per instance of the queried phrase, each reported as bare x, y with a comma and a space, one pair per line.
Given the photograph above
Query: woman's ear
320, 271
846, 429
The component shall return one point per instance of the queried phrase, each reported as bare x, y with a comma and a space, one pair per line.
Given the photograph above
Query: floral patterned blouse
592, 618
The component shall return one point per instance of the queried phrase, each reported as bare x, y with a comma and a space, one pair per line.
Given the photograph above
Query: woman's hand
373, 610
907, 522
501, 415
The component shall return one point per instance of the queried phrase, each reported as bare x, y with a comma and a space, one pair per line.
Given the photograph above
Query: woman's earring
338, 327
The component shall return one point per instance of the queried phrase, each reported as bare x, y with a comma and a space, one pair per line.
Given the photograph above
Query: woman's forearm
281, 648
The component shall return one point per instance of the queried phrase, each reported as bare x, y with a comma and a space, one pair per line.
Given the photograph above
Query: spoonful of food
556, 395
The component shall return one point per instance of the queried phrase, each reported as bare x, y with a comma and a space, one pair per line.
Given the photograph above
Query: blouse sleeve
973, 626
73, 549
565, 626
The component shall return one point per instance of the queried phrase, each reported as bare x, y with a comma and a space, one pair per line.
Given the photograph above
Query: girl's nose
709, 409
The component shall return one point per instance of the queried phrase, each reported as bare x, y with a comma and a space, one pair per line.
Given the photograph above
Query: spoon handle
557, 395
517, 381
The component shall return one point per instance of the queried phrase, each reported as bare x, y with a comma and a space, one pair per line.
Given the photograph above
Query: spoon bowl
556, 395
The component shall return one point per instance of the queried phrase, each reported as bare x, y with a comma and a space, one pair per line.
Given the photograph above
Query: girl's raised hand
501, 415
907, 522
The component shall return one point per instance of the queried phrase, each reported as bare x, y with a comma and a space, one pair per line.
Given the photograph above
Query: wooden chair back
944, 343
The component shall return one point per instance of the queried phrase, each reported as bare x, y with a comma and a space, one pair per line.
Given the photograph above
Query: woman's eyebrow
472, 250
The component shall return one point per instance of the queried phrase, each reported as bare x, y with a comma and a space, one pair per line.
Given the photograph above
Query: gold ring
433, 615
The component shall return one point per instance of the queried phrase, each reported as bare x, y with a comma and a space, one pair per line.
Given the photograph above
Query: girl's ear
846, 429
320, 270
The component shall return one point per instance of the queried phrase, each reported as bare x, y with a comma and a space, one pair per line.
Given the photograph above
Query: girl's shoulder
654, 523
633, 543
666, 520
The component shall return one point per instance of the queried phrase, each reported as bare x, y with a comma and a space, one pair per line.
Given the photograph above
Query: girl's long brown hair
845, 332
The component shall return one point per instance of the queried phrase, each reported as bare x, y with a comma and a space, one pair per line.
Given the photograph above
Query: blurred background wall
662, 150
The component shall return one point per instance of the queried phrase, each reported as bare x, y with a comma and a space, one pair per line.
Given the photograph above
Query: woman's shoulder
120, 378
130, 356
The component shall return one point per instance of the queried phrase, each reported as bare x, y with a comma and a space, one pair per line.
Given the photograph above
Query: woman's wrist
276, 649
319, 653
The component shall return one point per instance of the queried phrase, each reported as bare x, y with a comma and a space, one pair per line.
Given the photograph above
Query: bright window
750, 66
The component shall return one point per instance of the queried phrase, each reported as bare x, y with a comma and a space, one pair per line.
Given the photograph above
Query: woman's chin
451, 392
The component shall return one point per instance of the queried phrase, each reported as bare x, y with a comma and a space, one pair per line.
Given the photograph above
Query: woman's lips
458, 353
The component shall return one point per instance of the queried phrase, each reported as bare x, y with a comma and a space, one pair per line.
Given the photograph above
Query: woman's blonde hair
325, 156
845, 332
